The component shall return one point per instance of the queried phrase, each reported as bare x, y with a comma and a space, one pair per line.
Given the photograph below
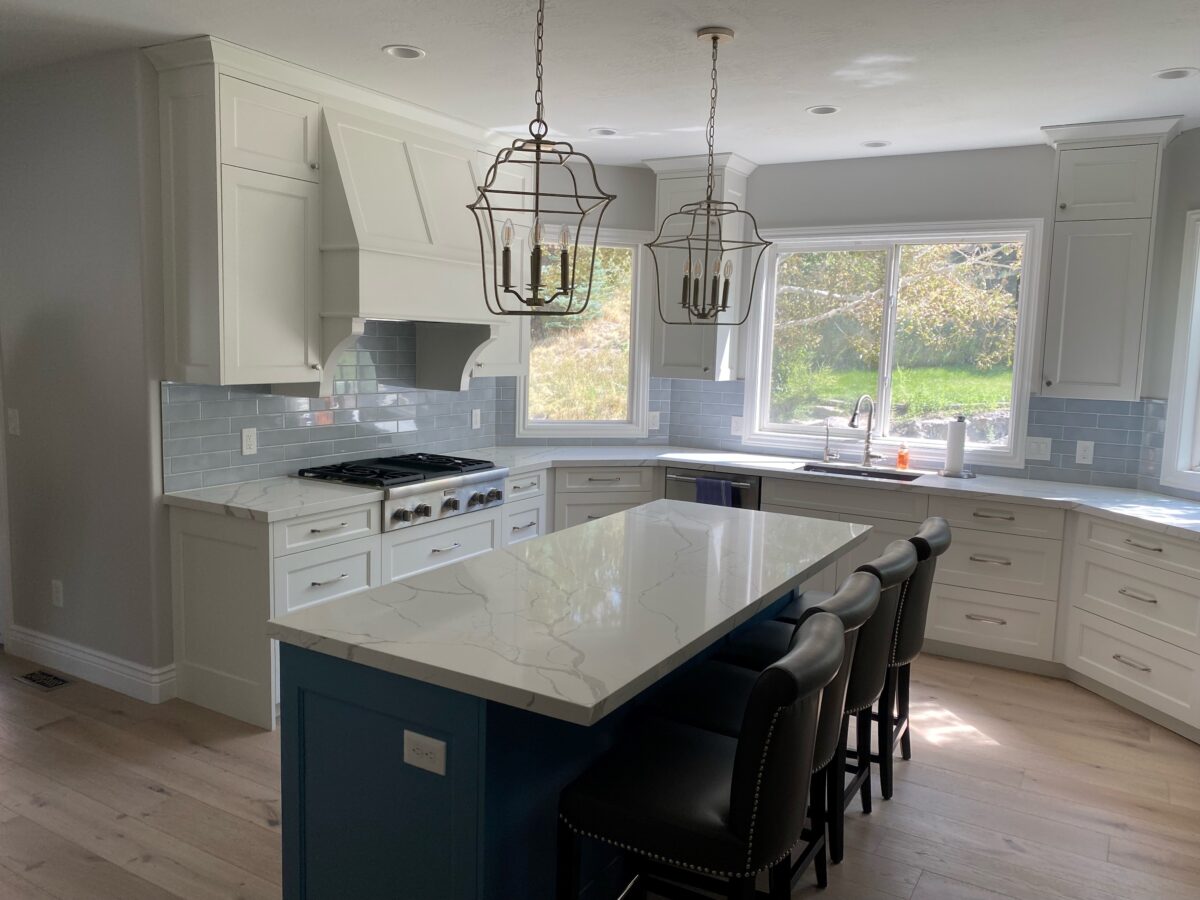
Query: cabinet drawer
1172, 554
992, 515
1003, 622
1146, 599
523, 521
880, 503
315, 576
1156, 673
580, 508
531, 484
321, 529
437, 546
268, 130
625, 478
1008, 563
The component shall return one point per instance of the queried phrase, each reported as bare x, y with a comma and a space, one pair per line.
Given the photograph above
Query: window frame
637, 425
925, 453
1181, 442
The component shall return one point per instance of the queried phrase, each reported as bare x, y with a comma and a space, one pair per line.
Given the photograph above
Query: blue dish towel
714, 491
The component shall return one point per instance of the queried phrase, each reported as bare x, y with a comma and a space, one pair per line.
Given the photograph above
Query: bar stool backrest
893, 568
931, 541
768, 794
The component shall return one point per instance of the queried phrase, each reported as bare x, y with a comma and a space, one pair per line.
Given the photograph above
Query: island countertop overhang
573, 624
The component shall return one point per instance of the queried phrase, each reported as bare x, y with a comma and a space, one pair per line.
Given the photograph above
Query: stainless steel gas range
422, 487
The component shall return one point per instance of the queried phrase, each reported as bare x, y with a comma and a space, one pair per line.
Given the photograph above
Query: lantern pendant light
711, 241
541, 188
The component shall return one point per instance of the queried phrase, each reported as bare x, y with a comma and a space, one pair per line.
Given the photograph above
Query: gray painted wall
634, 186
1181, 192
80, 339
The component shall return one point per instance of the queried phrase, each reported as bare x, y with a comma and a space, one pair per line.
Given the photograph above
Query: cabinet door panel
271, 253
268, 130
1106, 183
576, 509
1097, 297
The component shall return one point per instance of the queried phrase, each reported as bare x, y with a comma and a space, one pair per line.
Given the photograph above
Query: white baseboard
134, 679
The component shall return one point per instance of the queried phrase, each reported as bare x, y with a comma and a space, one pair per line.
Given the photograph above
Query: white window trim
637, 426
925, 453
1181, 443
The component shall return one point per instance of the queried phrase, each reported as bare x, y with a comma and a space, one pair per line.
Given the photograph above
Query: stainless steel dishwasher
681, 485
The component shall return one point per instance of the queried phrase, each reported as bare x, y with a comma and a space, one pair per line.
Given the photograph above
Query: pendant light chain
538, 126
712, 117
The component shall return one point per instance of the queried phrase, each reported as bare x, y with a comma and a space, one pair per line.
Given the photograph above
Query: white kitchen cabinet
1005, 623
1097, 302
524, 520
585, 494
409, 552
883, 502
325, 573
1008, 563
268, 130
579, 508
1107, 182
270, 276
508, 354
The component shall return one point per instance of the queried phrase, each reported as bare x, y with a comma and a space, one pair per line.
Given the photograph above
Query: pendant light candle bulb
725, 285
564, 259
697, 274
535, 259
687, 271
506, 236
716, 284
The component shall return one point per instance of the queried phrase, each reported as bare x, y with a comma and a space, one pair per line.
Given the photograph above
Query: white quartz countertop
573, 624
274, 499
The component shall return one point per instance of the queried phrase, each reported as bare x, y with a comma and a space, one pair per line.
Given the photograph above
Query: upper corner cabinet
1107, 183
241, 224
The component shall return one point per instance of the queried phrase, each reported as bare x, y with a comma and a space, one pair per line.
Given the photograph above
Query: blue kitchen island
429, 725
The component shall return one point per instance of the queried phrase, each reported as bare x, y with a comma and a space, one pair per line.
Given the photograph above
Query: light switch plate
424, 752
1037, 448
249, 441
1084, 451
735, 424
653, 420
476, 418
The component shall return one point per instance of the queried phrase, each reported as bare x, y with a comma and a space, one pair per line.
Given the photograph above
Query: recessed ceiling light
1176, 74
403, 51
603, 131
824, 110
875, 145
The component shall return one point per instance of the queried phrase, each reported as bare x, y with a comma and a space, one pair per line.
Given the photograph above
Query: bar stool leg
568, 864
902, 696
740, 889
862, 733
835, 802
886, 723
780, 879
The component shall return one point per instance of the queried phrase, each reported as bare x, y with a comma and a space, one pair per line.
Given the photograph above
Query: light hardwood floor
1019, 787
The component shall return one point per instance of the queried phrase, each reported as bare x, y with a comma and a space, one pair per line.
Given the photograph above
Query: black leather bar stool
931, 541
715, 694
704, 808
868, 673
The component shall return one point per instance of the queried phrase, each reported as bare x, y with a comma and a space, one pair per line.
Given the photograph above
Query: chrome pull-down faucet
868, 456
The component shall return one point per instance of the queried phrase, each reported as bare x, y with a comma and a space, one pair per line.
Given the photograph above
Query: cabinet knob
1049, 383
1060, 206
314, 166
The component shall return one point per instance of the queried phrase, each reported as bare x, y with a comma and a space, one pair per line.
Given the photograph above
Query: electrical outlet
1037, 448
56, 593
14, 421
424, 752
476, 418
1084, 451
654, 420
735, 424
249, 441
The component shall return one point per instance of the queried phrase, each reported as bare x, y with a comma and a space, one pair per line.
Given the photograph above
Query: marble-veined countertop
573, 624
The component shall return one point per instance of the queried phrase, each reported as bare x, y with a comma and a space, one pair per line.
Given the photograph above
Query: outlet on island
424, 752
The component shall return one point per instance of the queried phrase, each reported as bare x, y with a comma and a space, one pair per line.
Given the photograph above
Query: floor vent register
47, 681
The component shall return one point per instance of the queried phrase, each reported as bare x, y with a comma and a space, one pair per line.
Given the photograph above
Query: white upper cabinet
268, 130
1107, 182
269, 243
1097, 301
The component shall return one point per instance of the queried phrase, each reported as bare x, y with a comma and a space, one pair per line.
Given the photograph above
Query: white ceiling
926, 75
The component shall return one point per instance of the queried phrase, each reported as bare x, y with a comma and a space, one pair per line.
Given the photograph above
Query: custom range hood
397, 242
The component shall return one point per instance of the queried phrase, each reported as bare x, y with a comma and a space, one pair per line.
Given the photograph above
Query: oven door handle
690, 480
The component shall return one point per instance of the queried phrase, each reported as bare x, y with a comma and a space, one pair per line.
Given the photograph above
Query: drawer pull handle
987, 515
1132, 543
523, 527
990, 560
524, 487
617, 478
453, 546
330, 581
1127, 592
595, 517
991, 620
690, 480
338, 527
1132, 663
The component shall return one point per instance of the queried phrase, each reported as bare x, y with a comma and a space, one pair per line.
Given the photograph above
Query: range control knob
494, 494
451, 505
422, 510
476, 499
403, 515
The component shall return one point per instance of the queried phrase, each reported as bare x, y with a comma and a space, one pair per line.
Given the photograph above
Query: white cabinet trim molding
1181, 444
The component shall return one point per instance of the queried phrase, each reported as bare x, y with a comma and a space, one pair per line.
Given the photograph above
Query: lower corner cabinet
585, 494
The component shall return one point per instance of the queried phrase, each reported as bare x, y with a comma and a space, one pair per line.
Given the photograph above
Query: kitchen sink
860, 472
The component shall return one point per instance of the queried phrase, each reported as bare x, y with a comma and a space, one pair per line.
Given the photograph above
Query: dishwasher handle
690, 480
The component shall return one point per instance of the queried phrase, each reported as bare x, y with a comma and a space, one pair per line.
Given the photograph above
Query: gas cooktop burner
389, 471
